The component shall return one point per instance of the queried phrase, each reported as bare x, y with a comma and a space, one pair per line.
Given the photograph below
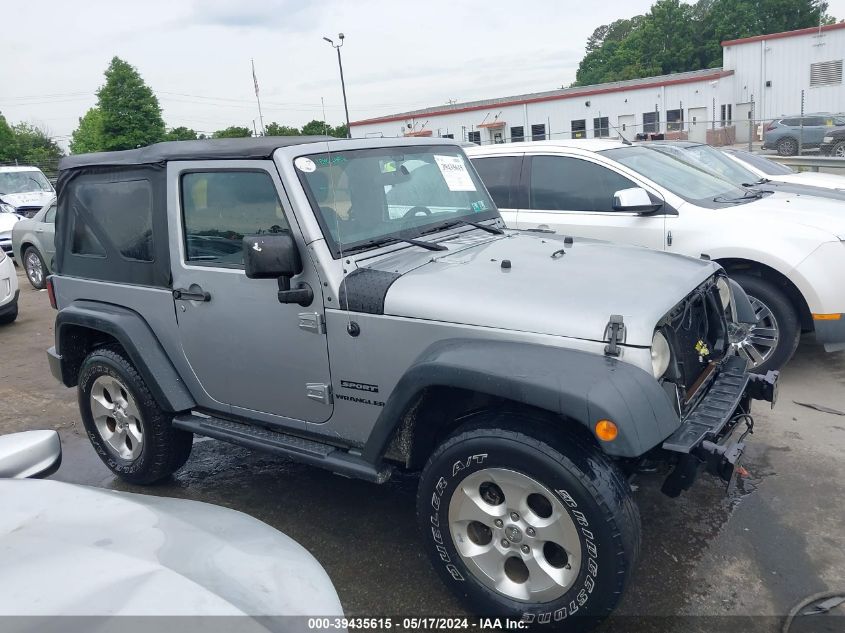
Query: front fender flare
578, 385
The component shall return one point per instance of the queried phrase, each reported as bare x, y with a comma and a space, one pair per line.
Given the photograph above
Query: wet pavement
778, 538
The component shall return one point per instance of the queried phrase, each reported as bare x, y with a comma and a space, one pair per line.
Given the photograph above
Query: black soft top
261, 147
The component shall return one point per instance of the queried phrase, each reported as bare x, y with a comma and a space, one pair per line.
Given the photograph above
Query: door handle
188, 295
39, 230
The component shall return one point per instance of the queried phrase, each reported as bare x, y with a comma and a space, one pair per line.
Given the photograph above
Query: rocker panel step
294, 447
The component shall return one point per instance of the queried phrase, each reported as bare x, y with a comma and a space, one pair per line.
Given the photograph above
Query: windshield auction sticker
303, 163
455, 173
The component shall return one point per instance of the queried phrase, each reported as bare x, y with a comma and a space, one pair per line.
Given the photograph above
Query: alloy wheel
787, 147
117, 417
34, 269
839, 150
514, 535
759, 342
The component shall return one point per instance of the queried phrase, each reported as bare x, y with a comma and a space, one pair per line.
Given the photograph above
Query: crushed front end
710, 387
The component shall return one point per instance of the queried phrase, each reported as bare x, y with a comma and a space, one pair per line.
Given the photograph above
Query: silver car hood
75, 550
28, 199
550, 288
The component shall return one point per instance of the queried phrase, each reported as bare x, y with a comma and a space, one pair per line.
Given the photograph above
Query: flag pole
257, 98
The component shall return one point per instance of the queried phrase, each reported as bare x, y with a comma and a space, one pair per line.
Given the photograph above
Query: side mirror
271, 255
30, 454
276, 256
635, 199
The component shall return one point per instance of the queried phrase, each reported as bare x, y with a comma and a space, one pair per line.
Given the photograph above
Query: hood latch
614, 334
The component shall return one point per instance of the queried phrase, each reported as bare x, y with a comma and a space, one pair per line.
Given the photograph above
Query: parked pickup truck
358, 305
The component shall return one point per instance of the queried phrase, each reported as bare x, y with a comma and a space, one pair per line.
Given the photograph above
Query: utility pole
255, 81
337, 47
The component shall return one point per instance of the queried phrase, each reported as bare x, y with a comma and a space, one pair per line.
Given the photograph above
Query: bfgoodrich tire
133, 436
773, 341
529, 523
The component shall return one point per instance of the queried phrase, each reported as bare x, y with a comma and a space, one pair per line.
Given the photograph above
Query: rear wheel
772, 342
133, 436
35, 269
528, 524
787, 146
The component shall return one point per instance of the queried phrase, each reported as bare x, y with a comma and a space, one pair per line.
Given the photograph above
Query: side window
499, 174
123, 210
560, 183
50, 216
220, 207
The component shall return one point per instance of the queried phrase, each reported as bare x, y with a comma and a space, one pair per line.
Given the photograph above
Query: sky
397, 55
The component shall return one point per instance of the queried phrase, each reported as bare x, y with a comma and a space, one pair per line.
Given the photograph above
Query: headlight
660, 354
724, 292
5, 207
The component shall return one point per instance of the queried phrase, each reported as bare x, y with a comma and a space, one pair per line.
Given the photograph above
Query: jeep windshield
371, 197
23, 182
694, 183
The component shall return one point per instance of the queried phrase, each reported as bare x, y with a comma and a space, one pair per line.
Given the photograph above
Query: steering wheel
416, 211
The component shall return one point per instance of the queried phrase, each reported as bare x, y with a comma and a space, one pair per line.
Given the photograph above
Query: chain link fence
49, 167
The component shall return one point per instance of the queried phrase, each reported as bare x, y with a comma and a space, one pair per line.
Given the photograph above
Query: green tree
131, 115
7, 141
233, 131
276, 129
676, 37
34, 145
181, 133
88, 136
321, 128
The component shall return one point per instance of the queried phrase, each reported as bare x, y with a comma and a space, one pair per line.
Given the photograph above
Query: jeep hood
822, 214
550, 288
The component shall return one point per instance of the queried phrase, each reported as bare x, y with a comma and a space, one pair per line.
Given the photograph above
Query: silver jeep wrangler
358, 305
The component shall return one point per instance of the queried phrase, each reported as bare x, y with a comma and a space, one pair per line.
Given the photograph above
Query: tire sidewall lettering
588, 576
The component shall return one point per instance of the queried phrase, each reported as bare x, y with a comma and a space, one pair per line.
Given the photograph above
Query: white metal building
763, 75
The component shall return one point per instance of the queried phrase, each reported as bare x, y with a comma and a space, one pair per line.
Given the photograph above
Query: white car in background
24, 190
8, 289
771, 170
787, 252
71, 550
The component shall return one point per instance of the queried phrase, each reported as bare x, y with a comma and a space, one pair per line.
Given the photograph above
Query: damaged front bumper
713, 433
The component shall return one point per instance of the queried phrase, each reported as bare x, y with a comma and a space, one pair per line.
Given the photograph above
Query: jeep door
249, 352
573, 194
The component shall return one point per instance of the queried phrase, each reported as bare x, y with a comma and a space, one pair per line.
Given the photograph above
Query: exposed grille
697, 332
826, 73
27, 212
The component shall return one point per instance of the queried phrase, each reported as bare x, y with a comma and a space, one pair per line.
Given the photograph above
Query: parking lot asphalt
754, 554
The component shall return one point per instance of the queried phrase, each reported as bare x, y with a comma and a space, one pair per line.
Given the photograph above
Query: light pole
337, 47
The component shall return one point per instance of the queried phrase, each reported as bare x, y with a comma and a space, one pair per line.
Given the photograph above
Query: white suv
8, 290
787, 251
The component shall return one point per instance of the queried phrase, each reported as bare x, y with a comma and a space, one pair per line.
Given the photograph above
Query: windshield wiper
750, 195
431, 246
762, 181
447, 224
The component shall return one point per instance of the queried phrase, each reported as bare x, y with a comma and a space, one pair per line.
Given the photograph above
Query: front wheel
528, 523
787, 146
838, 150
773, 340
133, 436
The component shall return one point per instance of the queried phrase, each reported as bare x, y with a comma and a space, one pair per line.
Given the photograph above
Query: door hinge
319, 391
614, 334
669, 238
312, 322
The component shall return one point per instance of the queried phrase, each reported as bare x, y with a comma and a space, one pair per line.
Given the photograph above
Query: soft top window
123, 210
